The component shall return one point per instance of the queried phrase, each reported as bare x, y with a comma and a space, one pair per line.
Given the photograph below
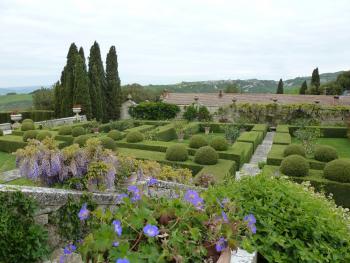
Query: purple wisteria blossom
117, 227
122, 260
224, 217
84, 213
151, 230
152, 181
115, 244
221, 244
250, 220
193, 197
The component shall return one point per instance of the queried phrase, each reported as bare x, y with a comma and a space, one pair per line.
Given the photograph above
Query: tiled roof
213, 99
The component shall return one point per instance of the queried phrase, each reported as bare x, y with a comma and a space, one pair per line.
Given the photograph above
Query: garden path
9, 176
260, 155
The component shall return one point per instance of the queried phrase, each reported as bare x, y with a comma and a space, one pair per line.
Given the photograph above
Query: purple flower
221, 244
139, 174
115, 244
152, 181
34, 171
252, 228
110, 178
122, 260
84, 212
117, 227
120, 197
55, 164
193, 197
133, 189
250, 219
69, 249
135, 197
224, 216
151, 230
62, 259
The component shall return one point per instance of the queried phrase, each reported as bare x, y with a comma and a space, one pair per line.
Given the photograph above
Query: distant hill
16, 102
24, 89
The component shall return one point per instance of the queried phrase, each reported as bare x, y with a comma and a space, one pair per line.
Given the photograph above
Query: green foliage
177, 152
165, 133
134, 136
77, 131
205, 180
139, 93
108, 143
204, 114
190, 113
65, 130
115, 135
26, 126
338, 170
21, 239
219, 143
282, 138
280, 87
231, 88
315, 83
295, 165
198, 141
29, 135
121, 125
43, 134
325, 153
154, 111
28, 121
232, 133
308, 138
43, 99
1, 132
206, 155
294, 149
82, 139
303, 88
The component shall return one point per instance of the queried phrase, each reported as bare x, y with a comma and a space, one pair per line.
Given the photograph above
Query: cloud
162, 41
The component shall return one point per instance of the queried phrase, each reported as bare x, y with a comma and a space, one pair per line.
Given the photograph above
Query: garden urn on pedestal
77, 110
16, 117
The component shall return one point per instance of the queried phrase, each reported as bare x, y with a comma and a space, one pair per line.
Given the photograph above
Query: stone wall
61, 121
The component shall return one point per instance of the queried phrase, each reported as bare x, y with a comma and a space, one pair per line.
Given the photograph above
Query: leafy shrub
21, 239
105, 127
205, 180
338, 170
108, 143
204, 114
81, 140
115, 135
42, 135
30, 135
206, 155
1, 132
65, 130
28, 121
198, 141
325, 153
77, 131
308, 138
134, 136
27, 126
219, 143
295, 165
121, 125
177, 152
232, 133
294, 149
190, 113
154, 111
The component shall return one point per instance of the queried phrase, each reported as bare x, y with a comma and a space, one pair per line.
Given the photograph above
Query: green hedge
17, 132
166, 133
218, 127
154, 111
282, 138
253, 137
260, 128
150, 122
35, 115
11, 146
326, 131
242, 151
66, 138
282, 128
142, 128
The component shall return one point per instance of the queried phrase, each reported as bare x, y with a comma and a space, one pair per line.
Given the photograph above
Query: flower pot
207, 130
16, 117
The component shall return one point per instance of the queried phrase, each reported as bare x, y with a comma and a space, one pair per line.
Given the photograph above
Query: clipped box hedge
326, 131
275, 156
150, 122
35, 115
282, 138
242, 151
282, 128
11, 143
260, 128
65, 138
253, 137
218, 127
166, 133
142, 128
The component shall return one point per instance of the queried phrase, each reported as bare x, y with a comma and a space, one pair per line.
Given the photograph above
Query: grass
7, 162
18, 102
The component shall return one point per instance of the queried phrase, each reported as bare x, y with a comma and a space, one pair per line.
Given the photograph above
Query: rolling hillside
16, 102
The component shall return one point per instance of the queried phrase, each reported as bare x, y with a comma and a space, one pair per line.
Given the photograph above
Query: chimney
196, 99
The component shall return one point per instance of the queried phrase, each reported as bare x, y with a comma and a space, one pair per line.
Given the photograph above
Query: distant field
16, 102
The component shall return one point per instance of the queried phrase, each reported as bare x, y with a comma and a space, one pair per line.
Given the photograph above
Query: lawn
7, 162
18, 102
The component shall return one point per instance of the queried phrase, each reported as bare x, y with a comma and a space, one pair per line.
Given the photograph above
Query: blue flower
120, 197
224, 216
84, 212
151, 230
115, 244
122, 260
117, 227
252, 228
133, 189
69, 249
193, 197
221, 244
152, 181
250, 220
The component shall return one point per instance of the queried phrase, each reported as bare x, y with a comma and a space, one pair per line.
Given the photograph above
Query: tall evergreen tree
113, 90
303, 88
82, 55
280, 87
97, 81
81, 94
57, 90
315, 82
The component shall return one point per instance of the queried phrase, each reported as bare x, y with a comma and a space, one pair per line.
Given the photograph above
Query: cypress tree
280, 87
97, 81
82, 55
57, 89
81, 93
113, 90
303, 88
315, 82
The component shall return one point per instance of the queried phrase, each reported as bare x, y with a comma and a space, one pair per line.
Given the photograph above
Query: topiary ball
27, 126
77, 131
42, 135
134, 136
206, 155
29, 135
293, 149
219, 144
115, 135
81, 140
198, 141
295, 165
28, 120
325, 153
177, 152
65, 130
338, 170
108, 143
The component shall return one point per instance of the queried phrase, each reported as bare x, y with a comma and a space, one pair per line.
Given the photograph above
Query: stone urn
207, 129
16, 117
77, 109
180, 136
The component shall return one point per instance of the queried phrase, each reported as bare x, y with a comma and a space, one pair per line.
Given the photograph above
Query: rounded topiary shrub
294, 149
81, 140
77, 131
219, 144
134, 136
115, 135
177, 152
27, 126
206, 155
65, 130
338, 170
198, 141
295, 165
108, 143
28, 120
324, 153
29, 135
42, 135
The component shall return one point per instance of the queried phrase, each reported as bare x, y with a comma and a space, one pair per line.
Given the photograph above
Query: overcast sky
163, 41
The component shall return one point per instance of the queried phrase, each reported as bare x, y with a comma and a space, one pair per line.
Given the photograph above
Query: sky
163, 41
